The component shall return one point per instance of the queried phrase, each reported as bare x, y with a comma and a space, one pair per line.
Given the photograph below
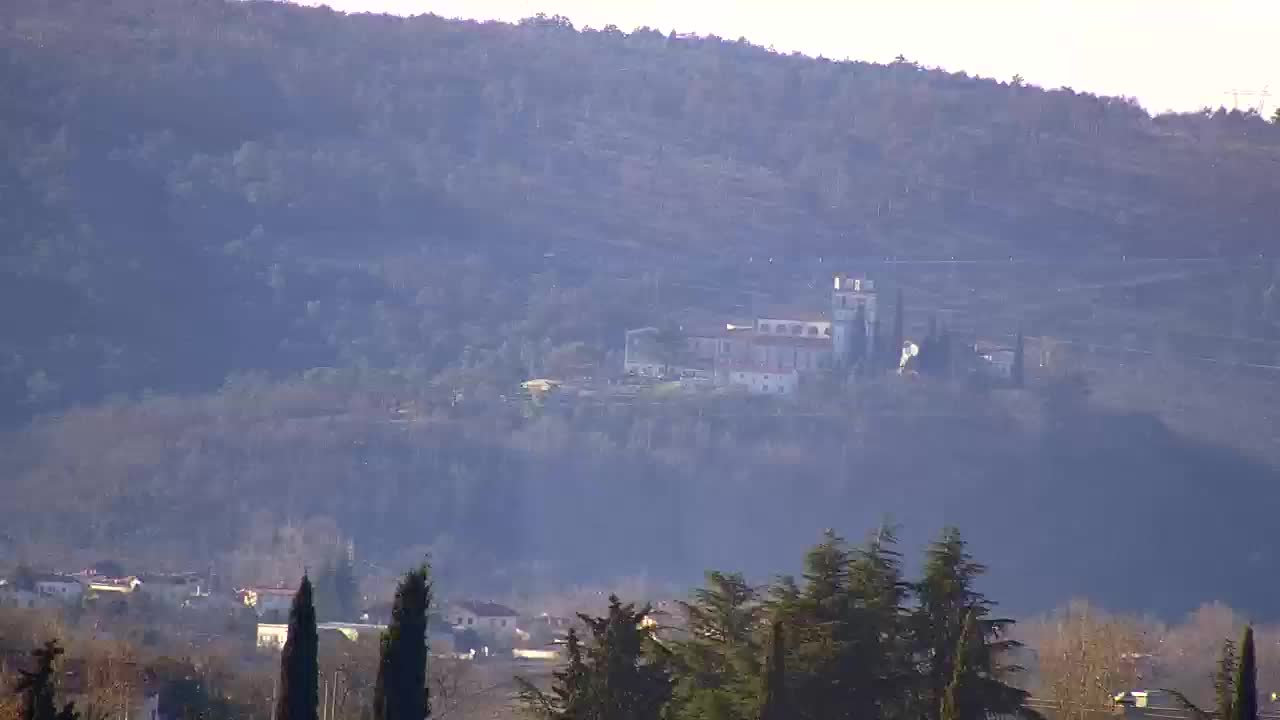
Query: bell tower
853, 319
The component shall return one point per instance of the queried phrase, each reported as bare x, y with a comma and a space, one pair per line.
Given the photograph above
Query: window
764, 327
504, 623
844, 301
813, 329
766, 387
826, 331
796, 329
471, 621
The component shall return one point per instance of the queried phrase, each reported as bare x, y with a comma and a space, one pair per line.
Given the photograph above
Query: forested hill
181, 177
334, 245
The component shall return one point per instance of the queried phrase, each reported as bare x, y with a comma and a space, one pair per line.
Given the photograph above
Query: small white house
489, 620
12, 597
63, 587
762, 382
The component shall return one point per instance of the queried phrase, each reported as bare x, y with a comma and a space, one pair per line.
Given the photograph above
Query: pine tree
946, 597
1245, 704
878, 594
950, 708
1224, 681
719, 661
568, 699
299, 691
38, 687
825, 660
629, 678
1019, 362
774, 704
401, 692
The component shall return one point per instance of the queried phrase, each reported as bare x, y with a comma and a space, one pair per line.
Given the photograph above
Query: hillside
254, 255
239, 177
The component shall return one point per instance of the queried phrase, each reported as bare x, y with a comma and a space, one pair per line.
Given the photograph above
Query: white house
63, 587
998, 362
765, 382
12, 597
489, 620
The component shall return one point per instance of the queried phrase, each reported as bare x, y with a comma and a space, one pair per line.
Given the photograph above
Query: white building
65, 588
12, 597
997, 362
171, 589
490, 620
765, 382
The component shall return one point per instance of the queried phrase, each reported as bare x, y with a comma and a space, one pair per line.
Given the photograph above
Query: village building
267, 602
490, 621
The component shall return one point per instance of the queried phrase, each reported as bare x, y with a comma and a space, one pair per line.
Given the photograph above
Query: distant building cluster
772, 354
768, 355
33, 590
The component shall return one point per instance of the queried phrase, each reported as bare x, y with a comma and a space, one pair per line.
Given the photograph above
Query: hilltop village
775, 354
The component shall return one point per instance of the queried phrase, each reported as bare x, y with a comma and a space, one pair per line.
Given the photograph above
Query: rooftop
487, 609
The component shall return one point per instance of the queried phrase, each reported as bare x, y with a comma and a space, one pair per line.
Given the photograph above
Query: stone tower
853, 317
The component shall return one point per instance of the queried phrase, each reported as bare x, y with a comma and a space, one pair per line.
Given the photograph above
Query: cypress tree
1224, 681
895, 350
401, 691
1245, 705
774, 704
299, 689
38, 687
1018, 369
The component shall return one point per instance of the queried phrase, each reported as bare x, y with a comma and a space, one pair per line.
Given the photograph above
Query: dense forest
271, 276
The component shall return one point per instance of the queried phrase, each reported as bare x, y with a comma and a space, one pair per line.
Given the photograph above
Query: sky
1169, 54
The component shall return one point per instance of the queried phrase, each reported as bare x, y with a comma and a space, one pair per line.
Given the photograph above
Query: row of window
793, 329
493, 622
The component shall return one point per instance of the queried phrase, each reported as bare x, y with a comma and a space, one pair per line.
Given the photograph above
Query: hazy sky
1180, 54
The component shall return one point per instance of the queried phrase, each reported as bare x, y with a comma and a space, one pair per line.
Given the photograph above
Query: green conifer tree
774, 703
299, 691
1224, 681
898, 337
950, 704
824, 634
945, 596
569, 698
629, 674
719, 661
401, 692
878, 595
39, 687
1245, 704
